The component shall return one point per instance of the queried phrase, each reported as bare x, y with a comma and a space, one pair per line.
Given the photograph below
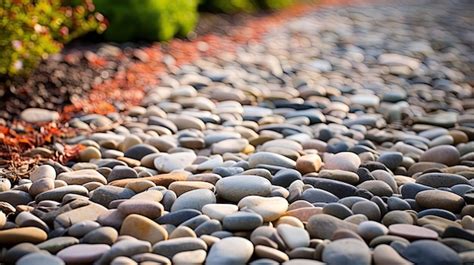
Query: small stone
370, 230
294, 237
343, 161
103, 235
43, 171
194, 199
234, 188
195, 256
385, 254
180, 187
139, 151
81, 177
323, 226
444, 154
125, 247
89, 212
437, 180
267, 158
171, 247
440, 199
269, 208
20, 235
347, 251
54, 245
147, 208
412, 232
37, 115
170, 162
242, 221
230, 250
143, 228
271, 253
105, 194
430, 252
308, 163
89, 153
219, 211
82, 253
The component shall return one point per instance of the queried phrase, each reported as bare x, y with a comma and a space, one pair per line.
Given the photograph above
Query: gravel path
345, 137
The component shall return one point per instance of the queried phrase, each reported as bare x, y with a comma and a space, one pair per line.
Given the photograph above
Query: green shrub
274, 4
150, 20
31, 30
233, 6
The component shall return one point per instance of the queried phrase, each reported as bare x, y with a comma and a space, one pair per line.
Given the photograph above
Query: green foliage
31, 30
148, 19
233, 6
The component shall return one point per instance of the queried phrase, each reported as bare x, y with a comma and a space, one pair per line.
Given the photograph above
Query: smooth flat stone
234, 188
323, 226
82, 253
412, 232
230, 250
143, 228
426, 252
347, 251
194, 199
269, 208
20, 235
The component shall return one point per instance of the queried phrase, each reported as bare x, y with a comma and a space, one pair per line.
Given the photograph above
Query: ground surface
343, 135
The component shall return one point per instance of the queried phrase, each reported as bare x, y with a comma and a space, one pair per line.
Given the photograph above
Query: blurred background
52, 51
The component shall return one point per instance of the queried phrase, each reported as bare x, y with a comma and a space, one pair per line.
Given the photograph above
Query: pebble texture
345, 136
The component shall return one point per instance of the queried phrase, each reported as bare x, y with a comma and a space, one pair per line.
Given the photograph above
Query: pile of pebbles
345, 137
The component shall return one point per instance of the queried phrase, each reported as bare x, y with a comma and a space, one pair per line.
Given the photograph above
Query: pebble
342, 161
39, 259
37, 115
171, 247
194, 199
430, 252
143, 228
82, 253
276, 152
21, 235
323, 226
370, 230
234, 188
241, 221
294, 237
169, 162
147, 208
269, 208
412, 232
56, 244
347, 251
443, 154
230, 250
